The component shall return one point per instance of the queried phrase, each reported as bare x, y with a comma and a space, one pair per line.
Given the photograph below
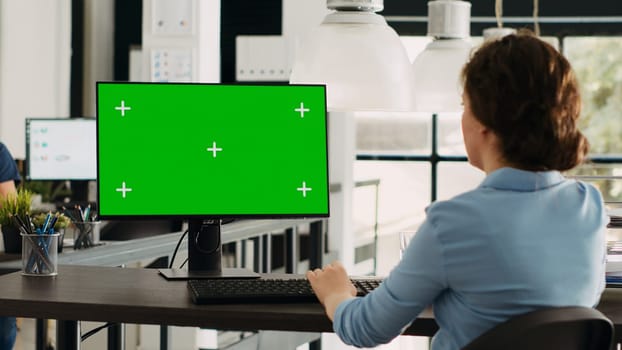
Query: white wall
35, 53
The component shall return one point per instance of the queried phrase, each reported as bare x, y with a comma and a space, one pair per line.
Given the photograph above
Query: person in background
525, 238
9, 175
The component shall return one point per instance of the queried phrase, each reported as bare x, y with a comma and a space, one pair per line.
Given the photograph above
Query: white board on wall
184, 33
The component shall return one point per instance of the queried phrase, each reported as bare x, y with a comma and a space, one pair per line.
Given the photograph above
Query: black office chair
568, 328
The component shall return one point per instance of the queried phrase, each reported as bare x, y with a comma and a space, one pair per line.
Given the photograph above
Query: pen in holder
39, 246
84, 226
48, 221
84, 233
40, 254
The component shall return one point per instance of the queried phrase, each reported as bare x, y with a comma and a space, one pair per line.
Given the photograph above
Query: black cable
203, 251
95, 330
181, 239
86, 335
170, 266
184, 263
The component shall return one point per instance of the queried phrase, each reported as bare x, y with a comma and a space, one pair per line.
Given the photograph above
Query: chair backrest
568, 328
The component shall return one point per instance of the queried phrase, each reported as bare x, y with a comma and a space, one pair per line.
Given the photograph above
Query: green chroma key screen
211, 150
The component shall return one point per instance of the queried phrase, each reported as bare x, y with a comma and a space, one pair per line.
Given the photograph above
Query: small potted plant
13, 208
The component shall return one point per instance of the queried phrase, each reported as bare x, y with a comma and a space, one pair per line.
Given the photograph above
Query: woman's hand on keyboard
331, 286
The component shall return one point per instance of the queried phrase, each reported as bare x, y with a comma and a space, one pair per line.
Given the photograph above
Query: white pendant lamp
494, 33
437, 69
359, 57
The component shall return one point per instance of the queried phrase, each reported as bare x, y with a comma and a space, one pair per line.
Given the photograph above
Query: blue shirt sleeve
8, 169
412, 286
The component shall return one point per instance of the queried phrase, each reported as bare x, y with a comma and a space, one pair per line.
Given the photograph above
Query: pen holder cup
85, 234
61, 238
40, 254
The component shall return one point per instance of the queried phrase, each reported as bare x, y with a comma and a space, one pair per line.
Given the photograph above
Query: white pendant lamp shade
360, 59
497, 33
437, 75
437, 69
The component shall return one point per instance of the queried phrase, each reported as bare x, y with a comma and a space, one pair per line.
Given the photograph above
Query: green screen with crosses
211, 150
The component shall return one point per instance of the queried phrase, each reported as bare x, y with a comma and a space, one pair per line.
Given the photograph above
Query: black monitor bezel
214, 216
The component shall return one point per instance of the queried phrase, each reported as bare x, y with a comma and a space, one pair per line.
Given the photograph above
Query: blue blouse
8, 169
520, 241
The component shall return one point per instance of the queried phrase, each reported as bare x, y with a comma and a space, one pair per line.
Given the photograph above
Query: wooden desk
119, 253
142, 296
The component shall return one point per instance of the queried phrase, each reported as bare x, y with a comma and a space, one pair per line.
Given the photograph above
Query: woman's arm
7, 187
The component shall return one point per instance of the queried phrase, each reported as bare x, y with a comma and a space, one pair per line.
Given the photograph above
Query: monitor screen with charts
210, 151
61, 149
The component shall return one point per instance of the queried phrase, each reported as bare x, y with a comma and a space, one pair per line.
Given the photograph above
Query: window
417, 157
596, 61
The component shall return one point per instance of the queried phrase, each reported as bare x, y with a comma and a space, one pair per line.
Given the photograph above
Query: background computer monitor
61, 149
204, 152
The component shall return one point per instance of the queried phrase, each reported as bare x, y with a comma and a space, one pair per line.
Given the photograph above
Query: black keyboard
264, 290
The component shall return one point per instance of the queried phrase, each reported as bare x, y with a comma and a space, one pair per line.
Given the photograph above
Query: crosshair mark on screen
123, 108
304, 189
302, 110
214, 149
123, 189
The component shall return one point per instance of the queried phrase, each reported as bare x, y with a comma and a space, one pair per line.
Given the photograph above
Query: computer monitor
206, 152
61, 149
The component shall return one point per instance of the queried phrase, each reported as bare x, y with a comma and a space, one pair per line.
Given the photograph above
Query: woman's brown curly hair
527, 94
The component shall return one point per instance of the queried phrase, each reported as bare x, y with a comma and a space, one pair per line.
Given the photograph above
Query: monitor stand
205, 255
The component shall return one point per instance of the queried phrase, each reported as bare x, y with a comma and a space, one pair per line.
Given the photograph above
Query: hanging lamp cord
499, 12
536, 25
